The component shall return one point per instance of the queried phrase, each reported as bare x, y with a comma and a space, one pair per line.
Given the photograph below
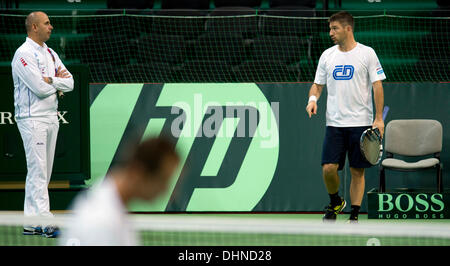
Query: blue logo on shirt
379, 70
343, 72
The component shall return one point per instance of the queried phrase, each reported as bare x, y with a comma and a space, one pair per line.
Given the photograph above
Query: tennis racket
370, 143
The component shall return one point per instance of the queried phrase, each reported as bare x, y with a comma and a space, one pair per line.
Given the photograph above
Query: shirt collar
35, 45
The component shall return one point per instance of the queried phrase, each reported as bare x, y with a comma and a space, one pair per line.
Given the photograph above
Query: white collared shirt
349, 77
33, 97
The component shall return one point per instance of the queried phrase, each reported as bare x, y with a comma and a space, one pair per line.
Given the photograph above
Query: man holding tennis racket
350, 70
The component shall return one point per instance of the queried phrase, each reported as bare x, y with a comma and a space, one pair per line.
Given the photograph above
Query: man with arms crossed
39, 76
350, 70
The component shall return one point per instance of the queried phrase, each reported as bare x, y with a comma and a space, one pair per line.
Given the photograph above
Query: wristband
312, 98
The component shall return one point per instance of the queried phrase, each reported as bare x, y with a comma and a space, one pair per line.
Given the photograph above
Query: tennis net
211, 230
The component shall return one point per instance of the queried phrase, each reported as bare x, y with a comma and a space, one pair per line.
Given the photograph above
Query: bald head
33, 18
38, 26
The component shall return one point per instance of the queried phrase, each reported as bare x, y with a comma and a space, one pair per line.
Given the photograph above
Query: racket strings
371, 145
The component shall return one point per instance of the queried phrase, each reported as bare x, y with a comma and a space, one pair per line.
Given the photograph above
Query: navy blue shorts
342, 140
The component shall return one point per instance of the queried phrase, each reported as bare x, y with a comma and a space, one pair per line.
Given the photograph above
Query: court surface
187, 237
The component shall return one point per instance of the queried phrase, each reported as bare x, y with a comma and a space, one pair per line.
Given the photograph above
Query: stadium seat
16, 23
108, 21
232, 11
442, 11
434, 57
173, 22
114, 21
430, 69
114, 49
61, 5
433, 65
68, 46
182, 4
248, 26
246, 3
307, 69
412, 138
62, 25
102, 73
130, 4
227, 47
141, 25
155, 72
10, 24
207, 71
295, 24
398, 7
9, 44
289, 26
283, 3
266, 71
161, 48
287, 49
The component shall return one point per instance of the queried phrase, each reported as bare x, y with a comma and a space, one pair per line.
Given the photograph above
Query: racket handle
385, 111
381, 153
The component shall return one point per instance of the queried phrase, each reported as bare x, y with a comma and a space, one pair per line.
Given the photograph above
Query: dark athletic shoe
332, 211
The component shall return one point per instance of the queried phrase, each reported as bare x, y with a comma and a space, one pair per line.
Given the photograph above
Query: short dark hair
151, 153
344, 18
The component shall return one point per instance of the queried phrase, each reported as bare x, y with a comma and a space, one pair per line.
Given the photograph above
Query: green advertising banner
244, 146
408, 205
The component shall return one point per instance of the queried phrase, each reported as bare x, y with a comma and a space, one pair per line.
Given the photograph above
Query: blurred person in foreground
100, 215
